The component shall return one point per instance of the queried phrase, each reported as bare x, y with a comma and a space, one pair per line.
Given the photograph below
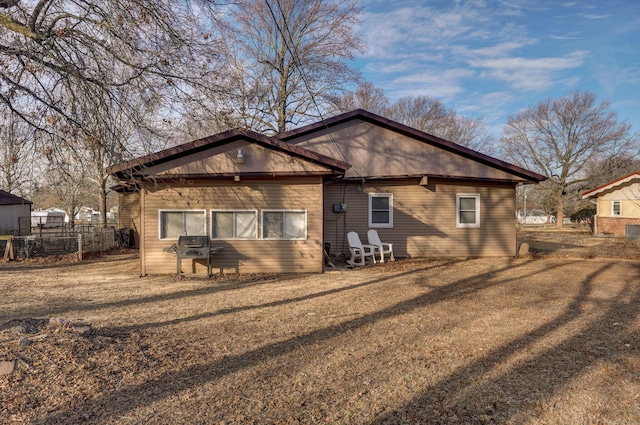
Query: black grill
194, 247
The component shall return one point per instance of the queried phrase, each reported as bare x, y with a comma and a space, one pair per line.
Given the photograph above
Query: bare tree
67, 186
432, 116
16, 153
294, 53
558, 137
367, 96
51, 49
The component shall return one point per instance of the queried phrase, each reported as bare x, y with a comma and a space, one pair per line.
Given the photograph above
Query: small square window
381, 210
468, 210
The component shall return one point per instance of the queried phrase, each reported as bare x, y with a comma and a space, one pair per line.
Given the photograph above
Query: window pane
467, 217
194, 223
380, 216
245, 225
272, 223
294, 225
616, 207
223, 225
468, 204
171, 224
379, 203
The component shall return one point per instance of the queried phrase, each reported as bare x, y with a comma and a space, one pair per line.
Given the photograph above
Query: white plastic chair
383, 248
359, 252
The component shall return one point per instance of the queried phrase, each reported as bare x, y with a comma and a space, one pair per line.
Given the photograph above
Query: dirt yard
542, 339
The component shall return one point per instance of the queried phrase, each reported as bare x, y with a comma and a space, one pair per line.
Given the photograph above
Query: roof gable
613, 185
216, 155
7, 198
423, 153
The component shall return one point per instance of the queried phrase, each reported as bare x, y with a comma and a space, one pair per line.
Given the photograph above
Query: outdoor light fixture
240, 157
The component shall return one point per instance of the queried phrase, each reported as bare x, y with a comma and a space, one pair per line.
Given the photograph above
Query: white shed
12, 208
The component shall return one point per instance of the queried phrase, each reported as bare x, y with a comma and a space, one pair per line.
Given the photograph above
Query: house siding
376, 151
424, 218
629, 208
129, 214
239, 256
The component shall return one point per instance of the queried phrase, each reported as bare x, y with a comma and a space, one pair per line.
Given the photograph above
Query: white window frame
476, 196
255, 229
262, 225
381, 195
613, 208
175, 238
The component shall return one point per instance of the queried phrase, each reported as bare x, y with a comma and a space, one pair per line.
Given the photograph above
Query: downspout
142, 250
595, 217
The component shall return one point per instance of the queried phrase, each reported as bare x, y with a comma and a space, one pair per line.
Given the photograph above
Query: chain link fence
59, 242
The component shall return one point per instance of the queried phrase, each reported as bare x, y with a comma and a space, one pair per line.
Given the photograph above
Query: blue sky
490, 59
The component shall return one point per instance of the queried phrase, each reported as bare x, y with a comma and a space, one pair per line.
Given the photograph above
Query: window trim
175, 238
255, 229
476, 196
370, 210
284, 211
613, 208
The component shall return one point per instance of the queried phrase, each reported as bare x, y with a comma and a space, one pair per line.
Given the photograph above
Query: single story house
272, 203
12, 209
617, 206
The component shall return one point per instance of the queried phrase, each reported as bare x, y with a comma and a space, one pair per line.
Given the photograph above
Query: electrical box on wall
339, 208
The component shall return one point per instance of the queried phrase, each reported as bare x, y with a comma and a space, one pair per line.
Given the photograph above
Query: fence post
79, 246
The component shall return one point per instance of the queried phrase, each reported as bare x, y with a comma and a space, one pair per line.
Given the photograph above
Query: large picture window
468, 210
173, 224
236, 224
381, 210
284, 224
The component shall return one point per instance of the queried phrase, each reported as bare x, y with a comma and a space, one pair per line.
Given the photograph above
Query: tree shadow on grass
472, 395
126, 399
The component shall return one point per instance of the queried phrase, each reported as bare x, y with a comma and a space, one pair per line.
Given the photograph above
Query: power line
303, 76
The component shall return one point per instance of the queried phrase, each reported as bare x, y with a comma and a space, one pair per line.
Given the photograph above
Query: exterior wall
424, 218
9, 217
629, 208
238, 256
376, 151
222, 159
628, 193
129, 214
615, 225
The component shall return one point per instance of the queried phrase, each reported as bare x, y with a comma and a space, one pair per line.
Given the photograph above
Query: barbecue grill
194, 247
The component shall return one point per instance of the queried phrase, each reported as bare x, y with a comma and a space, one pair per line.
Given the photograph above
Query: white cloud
529, 74
592, 17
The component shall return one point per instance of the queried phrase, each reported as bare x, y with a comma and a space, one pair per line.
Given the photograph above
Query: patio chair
359, 252
383, 248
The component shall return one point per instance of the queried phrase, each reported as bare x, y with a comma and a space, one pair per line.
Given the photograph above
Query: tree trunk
103, 203
559, 213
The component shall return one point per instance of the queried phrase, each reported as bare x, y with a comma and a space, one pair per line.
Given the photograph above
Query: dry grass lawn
538, 340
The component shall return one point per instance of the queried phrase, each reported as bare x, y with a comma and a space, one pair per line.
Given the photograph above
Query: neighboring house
12, 208
535, 216
273, 202
87, 215
46, 219
617, 206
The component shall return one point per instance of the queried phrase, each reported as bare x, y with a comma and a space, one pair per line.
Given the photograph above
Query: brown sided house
353, 172
617, 206
422, 181
258, 198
